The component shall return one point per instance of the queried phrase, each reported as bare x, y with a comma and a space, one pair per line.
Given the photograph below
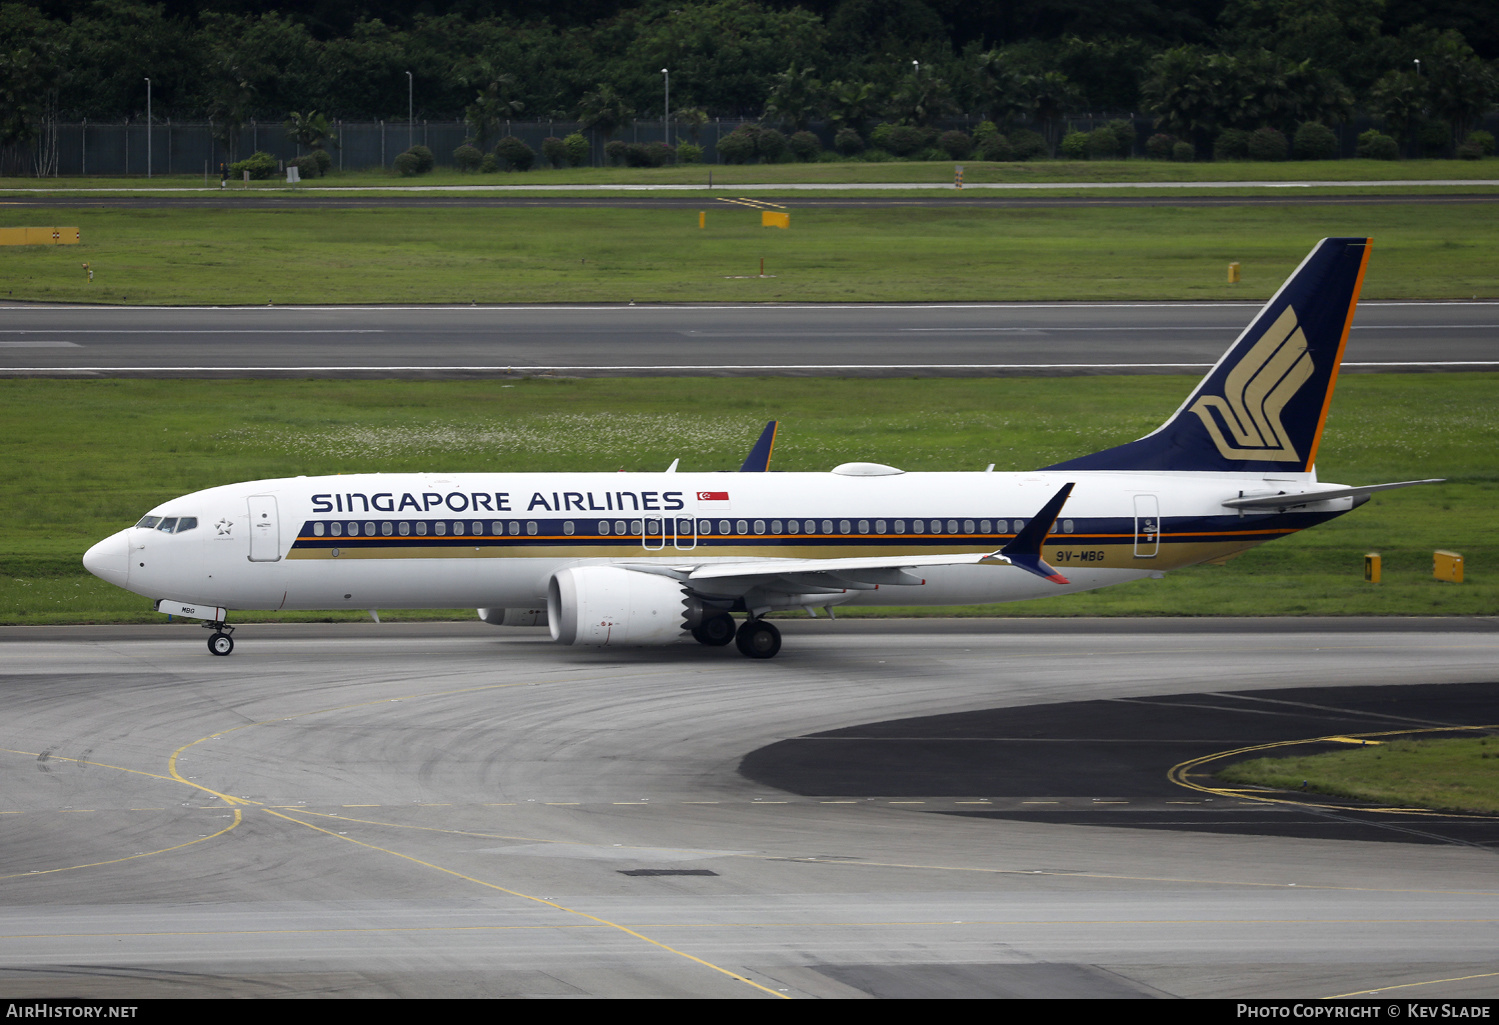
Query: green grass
900, 171
192, 256
80, 459
1446, 775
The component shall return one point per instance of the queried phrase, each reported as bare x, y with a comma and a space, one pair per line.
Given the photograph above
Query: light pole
148, 128
666, 108
1417, 62
410, 119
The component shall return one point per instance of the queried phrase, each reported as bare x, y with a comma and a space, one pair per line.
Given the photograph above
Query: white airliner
647, 558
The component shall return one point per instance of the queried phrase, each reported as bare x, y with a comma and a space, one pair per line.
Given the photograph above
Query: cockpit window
169, 524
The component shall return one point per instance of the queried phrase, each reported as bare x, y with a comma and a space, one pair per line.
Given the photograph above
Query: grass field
194, 256
80, 459
900, 171
1447, 775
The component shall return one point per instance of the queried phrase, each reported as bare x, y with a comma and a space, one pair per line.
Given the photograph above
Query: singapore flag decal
714, 500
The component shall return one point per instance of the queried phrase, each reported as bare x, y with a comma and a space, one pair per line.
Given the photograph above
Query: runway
946, 339
455, 810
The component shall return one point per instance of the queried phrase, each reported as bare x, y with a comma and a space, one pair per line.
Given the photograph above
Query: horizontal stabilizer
1285, 500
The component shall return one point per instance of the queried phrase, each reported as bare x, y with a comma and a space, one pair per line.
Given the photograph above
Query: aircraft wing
822, 576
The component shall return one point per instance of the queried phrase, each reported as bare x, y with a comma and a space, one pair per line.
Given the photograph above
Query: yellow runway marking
1181, 773
131, 857
539, 900
1409, 985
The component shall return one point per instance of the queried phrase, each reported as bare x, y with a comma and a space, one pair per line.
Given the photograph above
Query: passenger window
1001, 527
369, 529
1019, 526
353, 530
723, 526
497, 528
844, 526
827, 526
919, 526
792, 526
317, 530
619, 526
476, 528
421, 528
952, 526
405, 528
968, 526
530, 526
810, 527
984, 526
336, 529
515, 526
440, 528
636, 526
900, 526
167, 525
705, 526
759, 526
603, 528
458, 528
879, 526
567, 527
863, 526
743, 526
775, 526
1066, 526
387, 528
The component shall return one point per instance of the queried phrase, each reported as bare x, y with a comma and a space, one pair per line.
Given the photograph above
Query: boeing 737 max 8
646, 558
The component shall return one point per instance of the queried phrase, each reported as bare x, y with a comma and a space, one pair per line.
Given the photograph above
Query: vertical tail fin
758, 461
1262, 407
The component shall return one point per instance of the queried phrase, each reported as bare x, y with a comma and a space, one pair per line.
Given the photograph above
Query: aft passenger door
265, 529
1147, 527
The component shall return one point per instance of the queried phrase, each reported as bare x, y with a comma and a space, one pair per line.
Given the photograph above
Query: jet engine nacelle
513, 617
610, 605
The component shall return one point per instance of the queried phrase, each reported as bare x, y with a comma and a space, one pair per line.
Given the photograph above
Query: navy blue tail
1262, 407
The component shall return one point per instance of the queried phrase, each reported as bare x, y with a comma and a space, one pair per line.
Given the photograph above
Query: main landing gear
755, 638
220, 643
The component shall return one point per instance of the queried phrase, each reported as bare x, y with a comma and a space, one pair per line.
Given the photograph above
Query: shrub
1074, 146
957, 145
902, 140
1470, 151
307, 166
875, 155
848, 142
771, 145
323, 160
805, 146
515, 154
1434, 136
1268, 144
1103, 144
689, 153
636, 155
554, 150
1315, 141
1124, 137
425, 161
407, 164
738, 147
1483, 140
614, 152
1158, 146
995, 147
659, 154
1183, 152
260, 165
1375, 145
578, 150
1231, 144
930, 153
1027, 145
467, 158
490, 164
984, 131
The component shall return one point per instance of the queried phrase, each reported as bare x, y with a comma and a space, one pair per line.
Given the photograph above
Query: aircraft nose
109, 559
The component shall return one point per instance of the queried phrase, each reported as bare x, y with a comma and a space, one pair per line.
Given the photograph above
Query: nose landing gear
220, 643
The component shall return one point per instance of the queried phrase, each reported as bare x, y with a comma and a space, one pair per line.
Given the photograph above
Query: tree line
1200, 67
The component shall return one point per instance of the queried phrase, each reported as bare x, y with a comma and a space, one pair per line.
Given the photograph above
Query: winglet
758, 461
1025, 550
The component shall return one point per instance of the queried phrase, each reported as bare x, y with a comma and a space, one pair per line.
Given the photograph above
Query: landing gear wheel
715, 631
220, 644
758, 639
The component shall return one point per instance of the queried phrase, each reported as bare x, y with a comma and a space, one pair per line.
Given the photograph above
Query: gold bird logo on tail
1255, 392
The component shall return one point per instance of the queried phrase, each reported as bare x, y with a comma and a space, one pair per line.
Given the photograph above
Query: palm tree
311, 130
491, 105
604, 111
853, 104
794, 98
